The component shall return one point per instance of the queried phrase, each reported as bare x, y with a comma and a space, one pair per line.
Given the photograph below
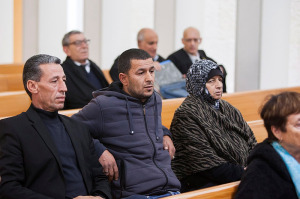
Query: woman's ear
276, 132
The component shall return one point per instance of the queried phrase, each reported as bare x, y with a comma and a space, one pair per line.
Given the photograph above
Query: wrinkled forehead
52, 70
76, 36
137, 64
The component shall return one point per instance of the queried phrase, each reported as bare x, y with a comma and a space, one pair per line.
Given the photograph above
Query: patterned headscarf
196, 80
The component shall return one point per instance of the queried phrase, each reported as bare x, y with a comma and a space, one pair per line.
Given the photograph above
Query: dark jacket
114, 73
133, 133
80, 89
183, 62
266, 176
29, 161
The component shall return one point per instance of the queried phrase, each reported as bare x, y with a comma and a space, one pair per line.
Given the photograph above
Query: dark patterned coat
205, 137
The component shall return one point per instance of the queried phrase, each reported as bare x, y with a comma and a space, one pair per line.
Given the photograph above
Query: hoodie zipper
154, 152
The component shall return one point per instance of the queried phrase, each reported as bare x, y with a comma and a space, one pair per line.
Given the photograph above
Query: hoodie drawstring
156, 118
130, 117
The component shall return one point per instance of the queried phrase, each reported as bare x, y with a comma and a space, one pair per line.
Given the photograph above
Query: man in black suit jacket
147, 40
43, 154
83, 75
187, 55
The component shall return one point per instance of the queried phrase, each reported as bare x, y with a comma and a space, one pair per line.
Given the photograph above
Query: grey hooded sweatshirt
133, 133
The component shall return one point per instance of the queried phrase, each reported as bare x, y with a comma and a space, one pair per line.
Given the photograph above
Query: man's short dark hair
124, 61
66, 39
32, 70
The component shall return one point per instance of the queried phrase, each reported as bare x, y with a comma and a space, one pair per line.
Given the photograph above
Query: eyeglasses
80, 42
194, 40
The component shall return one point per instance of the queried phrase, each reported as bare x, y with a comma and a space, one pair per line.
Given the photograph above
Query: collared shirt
194, 57
155, 57
87, 65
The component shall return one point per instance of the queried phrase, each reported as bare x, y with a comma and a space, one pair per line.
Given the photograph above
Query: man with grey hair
84, 76
44, 154
147, 40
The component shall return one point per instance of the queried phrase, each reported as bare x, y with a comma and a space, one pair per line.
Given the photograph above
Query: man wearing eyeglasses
83, 75
189, 54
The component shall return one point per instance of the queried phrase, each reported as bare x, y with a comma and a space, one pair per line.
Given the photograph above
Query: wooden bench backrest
11, 82
224, 191
11, 68
107, 76
70, 112
258, 129
247, 103
169, 107
13, 103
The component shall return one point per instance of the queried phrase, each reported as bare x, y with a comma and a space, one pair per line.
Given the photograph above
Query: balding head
147, 40
191, 40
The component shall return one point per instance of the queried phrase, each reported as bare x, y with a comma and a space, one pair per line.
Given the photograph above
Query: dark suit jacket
80, 89
30, 166
183, 62
114, 73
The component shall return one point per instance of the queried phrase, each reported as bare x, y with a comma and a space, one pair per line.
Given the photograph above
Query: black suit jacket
30, 166
114, 73
183, 62
80, 89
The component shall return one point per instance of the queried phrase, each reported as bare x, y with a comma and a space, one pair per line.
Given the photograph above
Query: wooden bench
11, 82
258, 129
169, 107
13, 103
69, 112
224, 191
248, 103
107, 76
11, 68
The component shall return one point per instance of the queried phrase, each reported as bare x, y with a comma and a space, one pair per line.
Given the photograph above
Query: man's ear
32, 86
276, 132
123, 78
182, 41
66, 50
200, 40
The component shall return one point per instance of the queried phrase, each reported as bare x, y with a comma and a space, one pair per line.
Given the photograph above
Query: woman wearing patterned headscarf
211, 138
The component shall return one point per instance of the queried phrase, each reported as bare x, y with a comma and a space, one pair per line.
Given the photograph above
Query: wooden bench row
11, 82
248, 103
224, 191
16, 68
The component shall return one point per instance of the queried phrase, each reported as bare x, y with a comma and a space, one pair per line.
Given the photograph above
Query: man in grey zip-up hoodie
126, 118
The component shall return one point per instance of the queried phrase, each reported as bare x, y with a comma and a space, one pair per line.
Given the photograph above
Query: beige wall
251, 38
